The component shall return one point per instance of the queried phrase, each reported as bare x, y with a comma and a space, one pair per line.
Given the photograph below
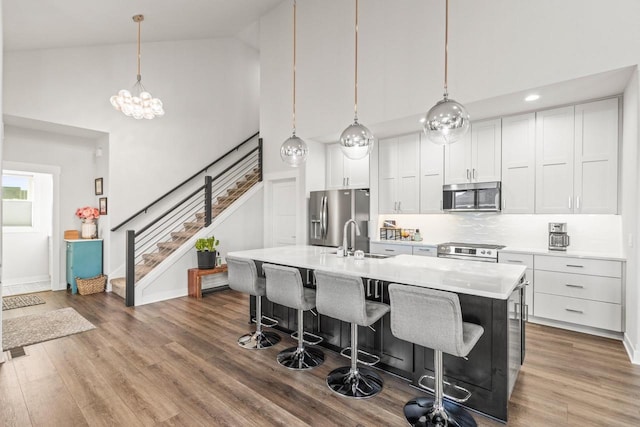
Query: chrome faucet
344, 234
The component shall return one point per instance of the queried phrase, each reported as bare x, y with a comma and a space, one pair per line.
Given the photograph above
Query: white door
457, 161
596, 157
518, 163
431, 176
335, 167
554, 160
284, 212
486, 146
388, 176
408, 170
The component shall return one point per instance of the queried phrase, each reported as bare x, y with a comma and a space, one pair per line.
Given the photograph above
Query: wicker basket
92, 285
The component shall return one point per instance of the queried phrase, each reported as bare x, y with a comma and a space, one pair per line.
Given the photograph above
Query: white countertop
473, 278
406, 242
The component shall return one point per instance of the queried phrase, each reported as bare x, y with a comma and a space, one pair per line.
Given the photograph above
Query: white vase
89, 229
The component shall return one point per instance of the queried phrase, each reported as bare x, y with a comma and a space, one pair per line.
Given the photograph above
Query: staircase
160, 229
178, 238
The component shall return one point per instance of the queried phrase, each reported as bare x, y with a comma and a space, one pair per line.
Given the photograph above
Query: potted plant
206, 248
88, 215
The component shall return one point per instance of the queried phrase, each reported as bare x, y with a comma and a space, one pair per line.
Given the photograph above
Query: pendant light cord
355, 105
446, 49
294, 68
139, 19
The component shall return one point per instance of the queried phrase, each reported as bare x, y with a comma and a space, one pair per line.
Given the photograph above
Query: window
17, 200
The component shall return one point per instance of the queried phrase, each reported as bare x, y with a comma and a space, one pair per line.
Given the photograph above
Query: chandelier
138, 102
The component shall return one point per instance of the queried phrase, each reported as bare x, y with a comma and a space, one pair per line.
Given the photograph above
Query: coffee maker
558, 237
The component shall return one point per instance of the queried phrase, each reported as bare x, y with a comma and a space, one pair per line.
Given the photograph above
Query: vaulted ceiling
37, 24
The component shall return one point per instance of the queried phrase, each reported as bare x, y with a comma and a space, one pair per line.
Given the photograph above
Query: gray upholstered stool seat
243, 277
433, 319
284, 286
342, 297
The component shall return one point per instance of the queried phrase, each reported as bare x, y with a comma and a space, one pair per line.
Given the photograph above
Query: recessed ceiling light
532, 97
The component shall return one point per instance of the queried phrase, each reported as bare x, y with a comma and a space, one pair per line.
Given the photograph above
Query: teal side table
84, 260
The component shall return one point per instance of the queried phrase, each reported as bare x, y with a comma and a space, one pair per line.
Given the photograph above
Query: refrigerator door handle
324, 217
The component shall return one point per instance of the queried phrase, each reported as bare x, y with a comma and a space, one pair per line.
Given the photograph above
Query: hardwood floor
177, 363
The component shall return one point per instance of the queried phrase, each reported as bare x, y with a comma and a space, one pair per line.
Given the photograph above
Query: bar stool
342, 297
433, 319
284, 286
243, 277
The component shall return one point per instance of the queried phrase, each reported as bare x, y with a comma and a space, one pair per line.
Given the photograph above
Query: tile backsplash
594, 233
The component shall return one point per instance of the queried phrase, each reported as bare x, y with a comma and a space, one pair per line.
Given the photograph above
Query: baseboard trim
577, 328
632, 352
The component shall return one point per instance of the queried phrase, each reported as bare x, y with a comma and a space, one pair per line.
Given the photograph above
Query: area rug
35, 328
19, 301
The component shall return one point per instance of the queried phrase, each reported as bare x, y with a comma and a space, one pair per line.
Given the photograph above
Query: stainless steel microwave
472, 197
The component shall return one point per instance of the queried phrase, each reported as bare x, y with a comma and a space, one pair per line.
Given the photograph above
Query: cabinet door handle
395, 206
575, 265
571, 310
475, 173
399, 208
440, 204
515, 260
569, 285
570, 202
468, 174
377, 289
504, 203
347, 181
577, 202
368, 287
390, 250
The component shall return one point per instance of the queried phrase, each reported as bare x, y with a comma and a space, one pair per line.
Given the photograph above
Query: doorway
28, 237
282, 214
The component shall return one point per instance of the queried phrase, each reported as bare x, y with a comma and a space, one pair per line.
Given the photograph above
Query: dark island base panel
485, 373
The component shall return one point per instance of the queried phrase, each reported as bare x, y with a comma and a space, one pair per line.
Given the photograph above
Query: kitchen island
491, 295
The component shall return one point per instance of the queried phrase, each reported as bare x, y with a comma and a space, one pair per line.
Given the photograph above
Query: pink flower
87, 213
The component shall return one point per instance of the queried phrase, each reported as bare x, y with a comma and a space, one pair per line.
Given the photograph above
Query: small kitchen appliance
558, 237
472, 197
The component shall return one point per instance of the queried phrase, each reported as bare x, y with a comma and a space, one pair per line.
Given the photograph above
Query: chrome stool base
420, 412
359, 384
300, 359
258, 340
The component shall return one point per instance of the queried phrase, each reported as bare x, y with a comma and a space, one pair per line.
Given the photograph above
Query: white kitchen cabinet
596, 157
431, 176
343, 172
577, 158
425, 250
580, 291
518, 164
477, 156
516, 258
399, 175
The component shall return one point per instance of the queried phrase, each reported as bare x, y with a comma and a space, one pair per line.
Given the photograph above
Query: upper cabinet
518, 163
577, 158
431, 176
476, 157
343, 172
595, 185
399, 175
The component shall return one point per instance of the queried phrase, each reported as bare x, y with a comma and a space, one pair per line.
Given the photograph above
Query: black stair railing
185, 204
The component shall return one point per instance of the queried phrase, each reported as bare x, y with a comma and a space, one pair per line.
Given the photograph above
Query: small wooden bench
194, 279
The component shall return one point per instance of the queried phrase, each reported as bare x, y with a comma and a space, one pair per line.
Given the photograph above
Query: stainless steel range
469, 251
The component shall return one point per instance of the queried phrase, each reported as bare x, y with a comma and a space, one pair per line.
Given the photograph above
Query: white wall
630, 179
75, 158
496, 47
1, 153
210, 89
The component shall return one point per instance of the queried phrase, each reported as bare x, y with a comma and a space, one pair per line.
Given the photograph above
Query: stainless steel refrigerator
328, 212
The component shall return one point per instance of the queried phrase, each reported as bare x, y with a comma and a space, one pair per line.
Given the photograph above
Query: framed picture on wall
98, 186
102, 203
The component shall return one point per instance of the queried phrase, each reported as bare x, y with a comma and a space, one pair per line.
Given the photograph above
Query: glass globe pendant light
448, 120
137, 103
294, 151
356, 141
